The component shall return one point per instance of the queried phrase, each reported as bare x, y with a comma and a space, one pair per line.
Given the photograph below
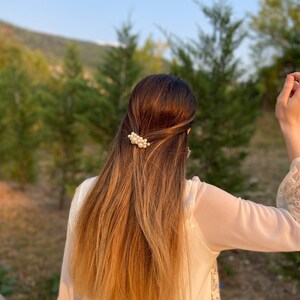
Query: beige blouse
217, 221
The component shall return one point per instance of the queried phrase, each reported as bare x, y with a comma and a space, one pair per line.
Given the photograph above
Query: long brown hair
130, 230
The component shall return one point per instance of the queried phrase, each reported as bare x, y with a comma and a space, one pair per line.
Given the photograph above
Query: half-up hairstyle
129, 234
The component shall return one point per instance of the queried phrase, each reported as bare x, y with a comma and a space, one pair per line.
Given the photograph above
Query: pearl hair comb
138, 140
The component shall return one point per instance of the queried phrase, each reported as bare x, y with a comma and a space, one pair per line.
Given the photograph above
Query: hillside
53, 46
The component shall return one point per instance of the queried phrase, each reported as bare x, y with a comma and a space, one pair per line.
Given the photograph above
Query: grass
7, 283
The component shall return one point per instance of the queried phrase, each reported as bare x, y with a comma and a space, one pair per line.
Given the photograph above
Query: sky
97, 20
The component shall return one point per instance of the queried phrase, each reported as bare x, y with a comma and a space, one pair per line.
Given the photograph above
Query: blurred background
66, 71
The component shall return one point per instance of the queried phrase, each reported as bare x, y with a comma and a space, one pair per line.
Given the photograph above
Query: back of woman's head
130, 231
161, 105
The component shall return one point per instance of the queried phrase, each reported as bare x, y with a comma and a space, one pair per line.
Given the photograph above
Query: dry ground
32, 238
32, 233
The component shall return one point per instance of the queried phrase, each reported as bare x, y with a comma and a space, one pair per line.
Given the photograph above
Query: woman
140, 230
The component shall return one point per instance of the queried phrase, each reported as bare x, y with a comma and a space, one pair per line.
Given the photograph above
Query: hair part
129, 234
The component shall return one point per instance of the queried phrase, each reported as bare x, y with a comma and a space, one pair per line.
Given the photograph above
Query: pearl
138, 140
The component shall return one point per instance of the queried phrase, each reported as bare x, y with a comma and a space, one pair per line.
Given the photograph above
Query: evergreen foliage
63, 110
277, 42
116, 78
151, 57
18, 117
276, 26
226, 107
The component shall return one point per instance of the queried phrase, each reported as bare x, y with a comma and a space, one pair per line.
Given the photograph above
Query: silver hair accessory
138, 140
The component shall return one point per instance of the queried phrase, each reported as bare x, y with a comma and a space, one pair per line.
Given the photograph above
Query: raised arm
227, 222
288, 114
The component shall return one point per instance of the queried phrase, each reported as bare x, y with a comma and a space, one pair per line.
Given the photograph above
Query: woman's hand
288, 102
288, 114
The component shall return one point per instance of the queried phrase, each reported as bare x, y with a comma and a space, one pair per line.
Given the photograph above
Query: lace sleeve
288, 195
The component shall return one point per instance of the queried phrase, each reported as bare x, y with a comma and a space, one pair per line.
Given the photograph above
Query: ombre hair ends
129, 234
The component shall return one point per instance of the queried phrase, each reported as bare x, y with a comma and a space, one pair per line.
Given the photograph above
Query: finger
296, 75
296, 95
296, 85
286, 90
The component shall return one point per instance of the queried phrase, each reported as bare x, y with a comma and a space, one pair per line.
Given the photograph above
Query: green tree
18, 117
226, 107
64, 110
116, 78
151, 57
276, 25
277, 41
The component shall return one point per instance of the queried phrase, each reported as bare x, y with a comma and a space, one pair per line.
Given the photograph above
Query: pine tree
18, 117
276, 49
151, 56
226, 108
63, 112
116, 78
276, 26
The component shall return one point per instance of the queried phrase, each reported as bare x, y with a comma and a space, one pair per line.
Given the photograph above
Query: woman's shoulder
194, 180
85, 187
194, 188
194, 184
87, 184
197, 190
80, 195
